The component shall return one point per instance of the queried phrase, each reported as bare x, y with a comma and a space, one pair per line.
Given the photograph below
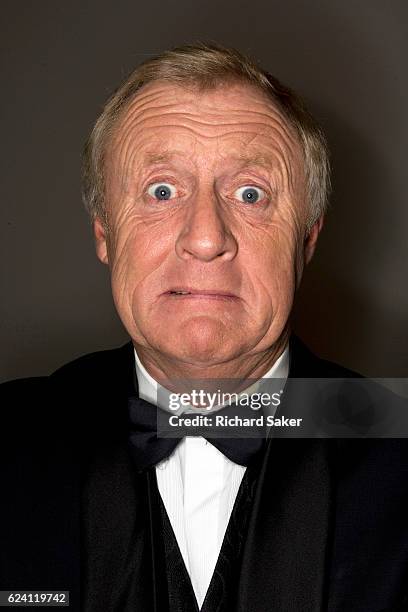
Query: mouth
187, 292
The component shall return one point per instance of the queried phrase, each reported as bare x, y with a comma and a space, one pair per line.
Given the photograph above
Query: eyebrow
153, 159
258, 159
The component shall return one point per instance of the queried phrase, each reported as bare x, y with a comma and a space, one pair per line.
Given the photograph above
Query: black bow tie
147, 449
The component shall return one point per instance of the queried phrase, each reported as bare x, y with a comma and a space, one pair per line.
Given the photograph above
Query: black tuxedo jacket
328, 530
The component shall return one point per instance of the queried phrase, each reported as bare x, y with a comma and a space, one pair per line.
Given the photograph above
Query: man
206, 181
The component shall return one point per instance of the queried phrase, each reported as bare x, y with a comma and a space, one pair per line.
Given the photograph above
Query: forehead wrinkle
138, 104
250, 119
181, 98
142, 104
125, 144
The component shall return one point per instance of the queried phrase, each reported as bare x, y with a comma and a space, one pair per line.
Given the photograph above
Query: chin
202, 340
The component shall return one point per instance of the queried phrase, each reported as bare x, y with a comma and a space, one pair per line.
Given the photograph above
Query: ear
100, 240
311, 239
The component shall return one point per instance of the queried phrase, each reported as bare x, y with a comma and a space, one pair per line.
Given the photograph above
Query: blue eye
249, 194
161, 191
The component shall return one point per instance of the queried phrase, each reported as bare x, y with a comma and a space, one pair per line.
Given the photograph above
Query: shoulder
95, 364
28, 385
41, 403
368, 451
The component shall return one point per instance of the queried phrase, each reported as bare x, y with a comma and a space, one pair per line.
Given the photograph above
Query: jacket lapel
122, 555
116, 537
284, 559
284, 563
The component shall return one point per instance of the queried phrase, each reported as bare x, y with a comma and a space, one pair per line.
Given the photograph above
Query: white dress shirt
198, 486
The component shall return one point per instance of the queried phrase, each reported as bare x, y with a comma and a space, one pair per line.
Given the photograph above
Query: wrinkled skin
205, 146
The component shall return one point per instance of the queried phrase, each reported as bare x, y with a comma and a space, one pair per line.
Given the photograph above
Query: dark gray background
59, 61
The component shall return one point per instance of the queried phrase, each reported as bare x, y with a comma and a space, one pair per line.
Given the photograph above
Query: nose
204, 234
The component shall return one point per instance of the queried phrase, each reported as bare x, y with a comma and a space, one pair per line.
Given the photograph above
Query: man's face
205, 194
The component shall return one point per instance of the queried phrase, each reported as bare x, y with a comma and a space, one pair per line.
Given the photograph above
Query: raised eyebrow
152, 159
262, 160
245, 161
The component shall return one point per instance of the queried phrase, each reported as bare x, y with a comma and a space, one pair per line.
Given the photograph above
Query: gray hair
206, 66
